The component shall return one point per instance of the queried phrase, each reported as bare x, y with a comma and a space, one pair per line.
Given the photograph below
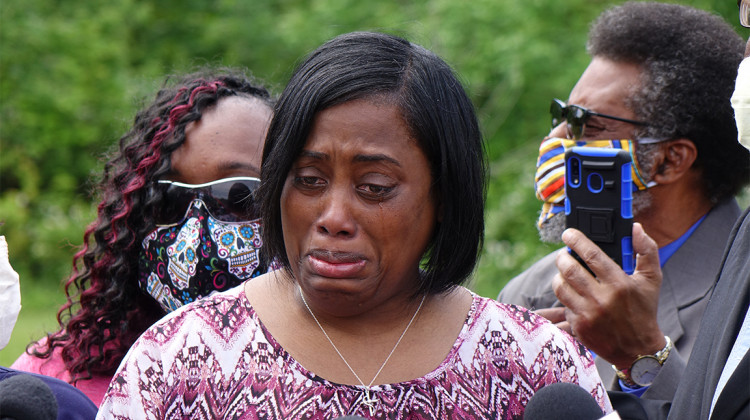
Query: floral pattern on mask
182, 263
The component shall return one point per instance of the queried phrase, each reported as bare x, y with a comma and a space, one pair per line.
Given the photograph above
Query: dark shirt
72, 404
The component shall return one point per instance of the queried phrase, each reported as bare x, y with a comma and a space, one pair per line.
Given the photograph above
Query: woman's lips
336, 265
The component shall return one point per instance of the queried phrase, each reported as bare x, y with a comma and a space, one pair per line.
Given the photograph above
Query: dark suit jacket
721, 323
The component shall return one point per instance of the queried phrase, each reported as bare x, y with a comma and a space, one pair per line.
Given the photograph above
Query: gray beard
552, 229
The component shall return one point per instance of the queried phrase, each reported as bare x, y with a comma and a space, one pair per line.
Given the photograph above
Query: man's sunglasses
744, 6
227, 200
577, 117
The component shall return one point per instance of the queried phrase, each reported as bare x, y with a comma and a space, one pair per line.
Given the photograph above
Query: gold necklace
367, 400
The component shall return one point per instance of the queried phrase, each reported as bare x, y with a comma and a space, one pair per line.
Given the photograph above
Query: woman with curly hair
176, 222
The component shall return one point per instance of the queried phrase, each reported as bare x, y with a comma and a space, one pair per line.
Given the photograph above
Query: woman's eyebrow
376, 158
313, 155
233, 165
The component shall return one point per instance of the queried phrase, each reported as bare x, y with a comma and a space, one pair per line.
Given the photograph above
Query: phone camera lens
574, 172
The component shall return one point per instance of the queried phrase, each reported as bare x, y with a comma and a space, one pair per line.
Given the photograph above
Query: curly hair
689, 61
105, 310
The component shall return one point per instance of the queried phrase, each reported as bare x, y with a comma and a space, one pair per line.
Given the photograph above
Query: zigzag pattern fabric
216, 360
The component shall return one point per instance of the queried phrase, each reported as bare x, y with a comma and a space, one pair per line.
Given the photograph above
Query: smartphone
599, 200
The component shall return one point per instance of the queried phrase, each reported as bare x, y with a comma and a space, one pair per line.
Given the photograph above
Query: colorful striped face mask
550, 170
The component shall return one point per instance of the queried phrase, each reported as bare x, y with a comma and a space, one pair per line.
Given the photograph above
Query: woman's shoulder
488, 317
491, 309
209, 316
51, 366
505, 342
231, 297
54, 367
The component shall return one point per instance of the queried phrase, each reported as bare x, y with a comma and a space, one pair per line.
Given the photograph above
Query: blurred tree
72, 75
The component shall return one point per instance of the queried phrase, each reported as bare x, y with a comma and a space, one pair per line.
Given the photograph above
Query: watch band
660, 356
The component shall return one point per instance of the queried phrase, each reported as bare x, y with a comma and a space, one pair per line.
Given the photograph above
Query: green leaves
72, 75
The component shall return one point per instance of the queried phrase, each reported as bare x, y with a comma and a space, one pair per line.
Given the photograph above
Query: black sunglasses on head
577, 116
227, 200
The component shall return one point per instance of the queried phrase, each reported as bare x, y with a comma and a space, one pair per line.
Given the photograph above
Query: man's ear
676, 159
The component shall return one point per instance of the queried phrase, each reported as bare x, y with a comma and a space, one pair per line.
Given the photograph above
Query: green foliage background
72, 75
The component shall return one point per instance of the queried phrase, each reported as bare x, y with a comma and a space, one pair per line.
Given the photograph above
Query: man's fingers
553, 315
565, 326
572, 280
596, 259
647, 253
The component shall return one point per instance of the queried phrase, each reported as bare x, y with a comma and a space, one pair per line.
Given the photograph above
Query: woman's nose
336, 217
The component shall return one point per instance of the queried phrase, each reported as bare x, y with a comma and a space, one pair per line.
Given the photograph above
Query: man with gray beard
658, 86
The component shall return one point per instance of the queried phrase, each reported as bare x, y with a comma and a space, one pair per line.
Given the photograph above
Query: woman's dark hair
438, 113
106, 310
689, 61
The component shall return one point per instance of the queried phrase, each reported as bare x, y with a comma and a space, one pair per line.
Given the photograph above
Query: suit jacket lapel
724, 316
731, 403
690, 275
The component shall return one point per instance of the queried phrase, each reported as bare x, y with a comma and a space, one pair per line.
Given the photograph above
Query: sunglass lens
557, 112
234, 201
228, 201
175, 202
576, 121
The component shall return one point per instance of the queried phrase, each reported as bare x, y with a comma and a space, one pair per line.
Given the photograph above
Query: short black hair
435, 108
689, 61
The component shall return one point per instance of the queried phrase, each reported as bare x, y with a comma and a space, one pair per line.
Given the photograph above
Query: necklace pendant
367, 400
371, 403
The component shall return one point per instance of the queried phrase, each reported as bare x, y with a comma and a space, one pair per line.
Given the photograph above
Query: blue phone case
599, 200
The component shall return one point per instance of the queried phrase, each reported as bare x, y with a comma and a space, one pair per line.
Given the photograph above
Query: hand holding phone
599, 200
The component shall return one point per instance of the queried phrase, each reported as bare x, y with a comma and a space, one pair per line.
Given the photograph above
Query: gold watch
645, 368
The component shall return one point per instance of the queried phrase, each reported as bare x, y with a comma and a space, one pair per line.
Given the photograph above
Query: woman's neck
365, 339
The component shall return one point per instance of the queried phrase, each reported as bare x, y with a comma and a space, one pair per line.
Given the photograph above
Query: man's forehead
605, 85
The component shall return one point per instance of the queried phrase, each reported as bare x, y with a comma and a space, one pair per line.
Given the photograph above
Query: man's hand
612, 314
556, 316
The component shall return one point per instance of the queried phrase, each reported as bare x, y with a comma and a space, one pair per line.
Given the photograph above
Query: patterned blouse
215, 359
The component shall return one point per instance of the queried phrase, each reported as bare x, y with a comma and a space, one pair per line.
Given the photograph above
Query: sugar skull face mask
202, 255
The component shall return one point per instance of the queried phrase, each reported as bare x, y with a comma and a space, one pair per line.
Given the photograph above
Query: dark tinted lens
233, 201
557, 111
175, 202
230, 200
577, 117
